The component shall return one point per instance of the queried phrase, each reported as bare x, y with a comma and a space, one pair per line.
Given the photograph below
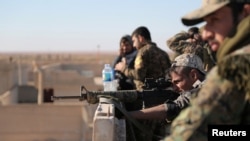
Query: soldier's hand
120, 66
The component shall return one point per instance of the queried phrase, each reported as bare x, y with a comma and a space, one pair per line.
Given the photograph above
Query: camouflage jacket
180, 45
178, 42
225, 98
150, 62
173, 108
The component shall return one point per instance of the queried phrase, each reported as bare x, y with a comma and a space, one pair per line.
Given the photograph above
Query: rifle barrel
65, 97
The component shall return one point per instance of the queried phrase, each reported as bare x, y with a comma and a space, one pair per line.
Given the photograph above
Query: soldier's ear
140, 38
247, 9
194, 74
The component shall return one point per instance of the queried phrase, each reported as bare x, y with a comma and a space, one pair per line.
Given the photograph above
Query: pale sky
85, 25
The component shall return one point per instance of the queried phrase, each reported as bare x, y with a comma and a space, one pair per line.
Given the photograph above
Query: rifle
153, 94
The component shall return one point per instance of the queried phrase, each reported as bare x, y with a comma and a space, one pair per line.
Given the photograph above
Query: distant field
58, 57
89, 62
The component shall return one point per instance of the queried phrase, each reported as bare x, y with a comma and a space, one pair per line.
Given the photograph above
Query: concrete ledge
47, 122
9, 97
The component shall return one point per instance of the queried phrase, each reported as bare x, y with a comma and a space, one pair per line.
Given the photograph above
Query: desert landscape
27, 76
63, 73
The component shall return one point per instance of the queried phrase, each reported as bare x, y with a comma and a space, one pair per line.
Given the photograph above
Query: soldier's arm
168, 110
139, 70
173, 108
157, 112
177, 42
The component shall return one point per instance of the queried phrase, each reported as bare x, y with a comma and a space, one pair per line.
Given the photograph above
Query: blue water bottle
107, 77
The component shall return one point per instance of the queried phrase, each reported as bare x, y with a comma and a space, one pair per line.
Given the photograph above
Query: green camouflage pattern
179, 45
225, 97
150, 62
178, 42
208, 57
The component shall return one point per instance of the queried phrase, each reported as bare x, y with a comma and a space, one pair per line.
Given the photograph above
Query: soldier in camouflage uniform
191, 42
225, 97
150, 62
187, 75
180, 41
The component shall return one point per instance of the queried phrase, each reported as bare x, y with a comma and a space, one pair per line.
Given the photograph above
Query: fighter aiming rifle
155, 92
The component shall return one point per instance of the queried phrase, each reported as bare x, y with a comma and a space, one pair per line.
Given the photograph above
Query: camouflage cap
208, 7
189, 60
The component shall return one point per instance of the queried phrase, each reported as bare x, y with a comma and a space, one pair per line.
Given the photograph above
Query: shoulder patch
138, 62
